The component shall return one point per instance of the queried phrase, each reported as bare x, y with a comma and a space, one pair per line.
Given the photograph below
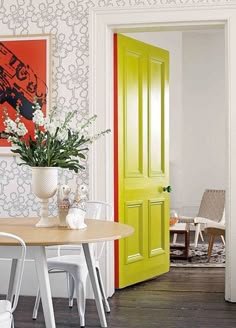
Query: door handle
167, 189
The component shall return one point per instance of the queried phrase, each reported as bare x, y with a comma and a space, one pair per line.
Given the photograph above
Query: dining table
37, 239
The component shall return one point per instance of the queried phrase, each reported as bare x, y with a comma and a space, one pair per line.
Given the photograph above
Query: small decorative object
77, 211
55, 143
44, 185
174, 218
63, 203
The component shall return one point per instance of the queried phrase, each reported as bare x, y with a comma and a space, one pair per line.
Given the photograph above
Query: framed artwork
25, 73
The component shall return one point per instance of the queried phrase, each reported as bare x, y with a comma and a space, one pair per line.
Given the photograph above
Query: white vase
44, 186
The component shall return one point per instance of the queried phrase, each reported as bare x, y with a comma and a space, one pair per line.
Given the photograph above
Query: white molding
177, 6
103, 23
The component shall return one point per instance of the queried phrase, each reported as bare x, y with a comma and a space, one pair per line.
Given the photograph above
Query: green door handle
167, 189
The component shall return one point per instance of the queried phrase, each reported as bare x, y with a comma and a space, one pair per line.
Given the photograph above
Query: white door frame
104, 22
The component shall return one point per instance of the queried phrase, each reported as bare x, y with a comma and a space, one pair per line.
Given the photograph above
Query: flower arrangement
55, 143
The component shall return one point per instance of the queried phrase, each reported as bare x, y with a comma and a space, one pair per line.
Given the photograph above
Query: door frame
103, 23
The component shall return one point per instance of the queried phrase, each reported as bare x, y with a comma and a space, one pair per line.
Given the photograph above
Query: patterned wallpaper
67, 21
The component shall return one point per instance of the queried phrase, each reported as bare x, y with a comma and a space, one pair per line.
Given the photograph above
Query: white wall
204, 114
197, 113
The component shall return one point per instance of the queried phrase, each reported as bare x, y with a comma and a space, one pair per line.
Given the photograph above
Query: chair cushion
215, 225
5, 314
74, 264
65, 262
73, 259
203, 220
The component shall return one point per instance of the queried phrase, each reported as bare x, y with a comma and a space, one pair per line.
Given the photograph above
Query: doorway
198, 113
101, 98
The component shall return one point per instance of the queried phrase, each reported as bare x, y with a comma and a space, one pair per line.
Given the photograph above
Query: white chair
7, 307
75, 265
211, 210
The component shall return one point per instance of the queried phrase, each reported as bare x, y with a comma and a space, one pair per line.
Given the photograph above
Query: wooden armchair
211, 211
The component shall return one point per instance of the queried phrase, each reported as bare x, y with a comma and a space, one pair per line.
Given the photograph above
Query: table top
179, 227
97, 230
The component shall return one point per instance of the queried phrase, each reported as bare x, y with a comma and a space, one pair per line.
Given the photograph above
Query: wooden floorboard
184, 297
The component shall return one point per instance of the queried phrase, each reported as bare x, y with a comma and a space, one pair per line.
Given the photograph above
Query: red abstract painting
24, 76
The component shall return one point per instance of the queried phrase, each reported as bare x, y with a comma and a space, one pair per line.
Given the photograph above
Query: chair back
20, 266
212, 205
94, 210
100, 211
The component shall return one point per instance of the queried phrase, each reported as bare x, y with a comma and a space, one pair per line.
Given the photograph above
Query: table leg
44, 285
10, 292
95, 285
187, 242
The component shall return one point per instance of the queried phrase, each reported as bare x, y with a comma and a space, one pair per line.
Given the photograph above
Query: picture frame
25, 74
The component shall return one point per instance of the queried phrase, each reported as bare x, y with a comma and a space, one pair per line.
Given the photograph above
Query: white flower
62, 135
7, 130
21, 130
94, 137
11, 126
17, 120
98, 135
12, 139
36, 106
38, 117
50, 126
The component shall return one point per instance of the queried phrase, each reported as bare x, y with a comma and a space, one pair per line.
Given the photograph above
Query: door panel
132, 106
142, 79
134, 245
156, 114
156, 227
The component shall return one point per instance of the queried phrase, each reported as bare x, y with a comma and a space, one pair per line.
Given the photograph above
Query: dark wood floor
185, 297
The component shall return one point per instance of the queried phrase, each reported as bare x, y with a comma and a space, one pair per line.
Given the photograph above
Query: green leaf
44, 149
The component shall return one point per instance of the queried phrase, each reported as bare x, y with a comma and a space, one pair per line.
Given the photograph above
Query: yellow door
142, 83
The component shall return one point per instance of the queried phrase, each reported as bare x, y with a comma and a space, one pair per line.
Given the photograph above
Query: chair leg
201, 235
80, 287
105, 301
10, 293
211, 242
36, 306
71, 288
197, 232
223, 239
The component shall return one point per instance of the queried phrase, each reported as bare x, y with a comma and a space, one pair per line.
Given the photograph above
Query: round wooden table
37, 239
